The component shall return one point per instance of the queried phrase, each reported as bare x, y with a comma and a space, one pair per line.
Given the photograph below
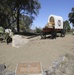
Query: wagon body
54, 26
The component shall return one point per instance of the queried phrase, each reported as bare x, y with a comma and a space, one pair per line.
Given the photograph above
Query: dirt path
45, 51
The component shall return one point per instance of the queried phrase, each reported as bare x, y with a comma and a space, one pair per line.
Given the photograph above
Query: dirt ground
45, 51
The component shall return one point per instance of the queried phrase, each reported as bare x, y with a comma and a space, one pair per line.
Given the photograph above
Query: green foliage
6, 14
38, 30
66, 26
11, 10
30, 7
25, 22
1, 30
71, 16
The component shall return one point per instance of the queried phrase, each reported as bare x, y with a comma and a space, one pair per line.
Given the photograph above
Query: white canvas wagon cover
57, 21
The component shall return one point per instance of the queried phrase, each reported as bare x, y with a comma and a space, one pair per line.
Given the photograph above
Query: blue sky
55, 7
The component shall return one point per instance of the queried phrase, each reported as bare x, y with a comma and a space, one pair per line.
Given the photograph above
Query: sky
52, 7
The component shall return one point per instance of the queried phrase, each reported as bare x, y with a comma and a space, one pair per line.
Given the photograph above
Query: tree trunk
18, 28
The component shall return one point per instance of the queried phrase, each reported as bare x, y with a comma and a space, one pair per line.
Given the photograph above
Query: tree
17, 7
66, 26
25, 22
71, 16
30, 7
6, 14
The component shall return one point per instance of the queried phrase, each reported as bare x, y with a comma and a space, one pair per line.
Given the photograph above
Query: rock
65, 67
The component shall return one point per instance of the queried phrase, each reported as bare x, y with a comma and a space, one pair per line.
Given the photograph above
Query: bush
38, 30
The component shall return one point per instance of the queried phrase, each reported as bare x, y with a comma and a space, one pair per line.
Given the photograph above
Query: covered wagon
54, 26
